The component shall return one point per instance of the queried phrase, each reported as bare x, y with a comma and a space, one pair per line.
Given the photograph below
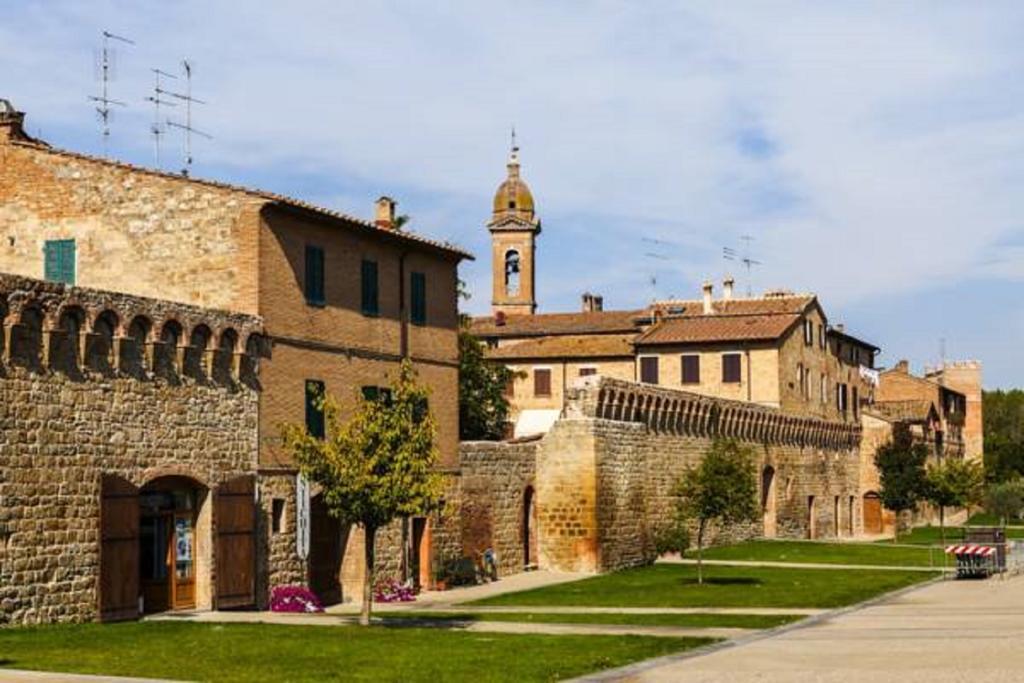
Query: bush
458, 571
391, 590
674, 537
294, 599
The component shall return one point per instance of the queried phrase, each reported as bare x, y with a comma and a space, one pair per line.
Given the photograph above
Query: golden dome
513, 198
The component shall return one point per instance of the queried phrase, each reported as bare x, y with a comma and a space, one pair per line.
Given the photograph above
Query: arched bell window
512, 272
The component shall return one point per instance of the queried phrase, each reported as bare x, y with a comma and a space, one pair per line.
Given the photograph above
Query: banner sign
301, 516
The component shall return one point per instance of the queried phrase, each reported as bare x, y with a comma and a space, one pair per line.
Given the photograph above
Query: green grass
754, 621
822, 553
260, 652
929, 535
674, 585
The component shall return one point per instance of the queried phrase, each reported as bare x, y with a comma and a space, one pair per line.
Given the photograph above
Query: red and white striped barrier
970, 549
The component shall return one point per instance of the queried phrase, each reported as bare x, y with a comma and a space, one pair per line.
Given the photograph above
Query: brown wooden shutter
731, 368
649, 369
542, 382
236, 543
691, 369
119, 550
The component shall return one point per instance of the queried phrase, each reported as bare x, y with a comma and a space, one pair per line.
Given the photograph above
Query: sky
874, 152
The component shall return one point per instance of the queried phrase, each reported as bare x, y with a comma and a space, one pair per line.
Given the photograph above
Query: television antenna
158, 100
187, 128
106, 63
730, 254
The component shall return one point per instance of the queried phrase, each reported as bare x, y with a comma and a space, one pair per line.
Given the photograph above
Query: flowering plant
294, 599
390, 590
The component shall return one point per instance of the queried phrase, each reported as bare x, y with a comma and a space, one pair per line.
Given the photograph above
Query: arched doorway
872, 513
529, 529
768, 501
174, 551
326, 551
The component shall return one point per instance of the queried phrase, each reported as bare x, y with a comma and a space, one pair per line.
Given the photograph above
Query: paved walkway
803, 565
36, 676
946, 631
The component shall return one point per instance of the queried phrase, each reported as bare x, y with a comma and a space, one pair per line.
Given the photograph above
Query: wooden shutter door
119, 550
872, 514
236, 543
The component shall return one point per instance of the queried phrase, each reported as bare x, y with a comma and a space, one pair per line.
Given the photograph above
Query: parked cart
973, 560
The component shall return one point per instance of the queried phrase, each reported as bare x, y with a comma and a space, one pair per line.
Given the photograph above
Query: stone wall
76, 405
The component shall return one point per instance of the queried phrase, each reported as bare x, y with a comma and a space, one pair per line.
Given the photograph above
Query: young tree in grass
1005, 499
722, 489
375, 467
901, 468
953, 482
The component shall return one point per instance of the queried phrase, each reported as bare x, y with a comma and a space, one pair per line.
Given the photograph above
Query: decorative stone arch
768, 501
223, 369
195, 361
529, 528
249, 366
64, 342
167, 355
513, 272
134, 355
26, 336
100, 346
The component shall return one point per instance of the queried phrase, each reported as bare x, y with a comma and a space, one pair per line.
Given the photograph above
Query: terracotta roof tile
544, 324
765, 305
909, 411
718, 328
568, 346
283, 200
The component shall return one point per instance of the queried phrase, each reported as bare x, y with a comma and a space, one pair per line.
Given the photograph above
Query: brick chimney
592, 302
11, 123
727, 287
386, 213
709, 290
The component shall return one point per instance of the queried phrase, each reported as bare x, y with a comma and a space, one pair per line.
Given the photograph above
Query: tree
483, 406
722, 488
376, 467
1003, 413
953, 483
1005, 499
901, 467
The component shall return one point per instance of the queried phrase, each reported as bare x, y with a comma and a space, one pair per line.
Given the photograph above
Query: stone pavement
945, 631
804, 565
47, 677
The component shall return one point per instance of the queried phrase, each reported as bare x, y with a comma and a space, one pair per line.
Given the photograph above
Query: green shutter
314, 276
419, 299
370, 294
59, 261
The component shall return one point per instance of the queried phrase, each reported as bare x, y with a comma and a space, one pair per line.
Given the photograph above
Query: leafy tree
673, 537
901, 466
376, 467
1005, 499
953, 483
1003, 413
483, 406
722, 488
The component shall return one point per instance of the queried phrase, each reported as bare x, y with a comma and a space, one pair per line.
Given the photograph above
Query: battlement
689, 414
81, 332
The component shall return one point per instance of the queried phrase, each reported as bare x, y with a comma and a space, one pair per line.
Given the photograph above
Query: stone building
776, 350
343, 300
129, 457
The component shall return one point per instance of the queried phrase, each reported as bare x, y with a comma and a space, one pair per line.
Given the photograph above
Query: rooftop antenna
187, 128
729, 254
106, 63
158, 101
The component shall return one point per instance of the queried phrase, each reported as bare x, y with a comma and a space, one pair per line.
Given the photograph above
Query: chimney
709, 289
592, 302
727, 286
903, 366
386, 213
500, 319
11, 123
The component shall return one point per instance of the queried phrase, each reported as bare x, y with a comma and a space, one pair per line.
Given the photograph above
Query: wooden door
325, 553
235, 511
872, 513
182, 562
119, 550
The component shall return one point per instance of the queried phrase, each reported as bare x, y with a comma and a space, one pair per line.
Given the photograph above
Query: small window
277, 515
59, 261
808, 332
824, 388
542, 382
691, 369
315, 408
649, 369
855, 398
371, 393
821, 335
420, 410
731, 368
587, 372
510, 386
314, 276
419, 299
371, 296
841, 397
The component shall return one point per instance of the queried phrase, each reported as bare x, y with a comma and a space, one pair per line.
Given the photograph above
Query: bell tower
514, 228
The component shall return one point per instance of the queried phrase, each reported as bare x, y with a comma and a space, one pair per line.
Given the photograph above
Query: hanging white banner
301, 516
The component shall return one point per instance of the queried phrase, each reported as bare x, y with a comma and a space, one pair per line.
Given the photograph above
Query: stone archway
529, 528
768, 509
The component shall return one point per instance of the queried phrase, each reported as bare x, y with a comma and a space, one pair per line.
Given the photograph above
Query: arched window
195, 354
250, 366
99, 353
512, 272
27, 339
166, 356
133, 349
64, 341
225, 355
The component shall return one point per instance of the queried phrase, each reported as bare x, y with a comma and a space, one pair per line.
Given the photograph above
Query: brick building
342, 299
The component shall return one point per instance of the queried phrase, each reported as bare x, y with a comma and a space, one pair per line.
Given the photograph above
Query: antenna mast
187, 128
106, 66
729, 254
157, 128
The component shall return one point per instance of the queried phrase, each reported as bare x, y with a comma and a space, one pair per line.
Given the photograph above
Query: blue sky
875, 151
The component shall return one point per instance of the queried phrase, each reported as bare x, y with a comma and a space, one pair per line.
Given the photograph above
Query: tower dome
513, 198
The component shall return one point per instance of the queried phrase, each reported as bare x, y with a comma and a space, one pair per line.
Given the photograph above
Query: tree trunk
942, 525
368, 553
700, 553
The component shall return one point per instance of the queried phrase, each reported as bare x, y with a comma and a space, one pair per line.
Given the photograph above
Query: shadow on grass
724, 581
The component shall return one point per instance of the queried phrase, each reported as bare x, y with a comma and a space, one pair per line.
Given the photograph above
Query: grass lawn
675, 585
929, 535
260, 652
756, 621
825, 553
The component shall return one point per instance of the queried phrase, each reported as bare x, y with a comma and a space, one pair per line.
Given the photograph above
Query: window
824, 388
801, 378
314, 408
691, 369
821, 335
731, 368
420, 410
419, 299
841, 397
510, 386
587, 372
808, 332
649, 369
371, 304
60, 261
314, 276
512, 273
856, 403
542, 382
276, 515
371, 393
